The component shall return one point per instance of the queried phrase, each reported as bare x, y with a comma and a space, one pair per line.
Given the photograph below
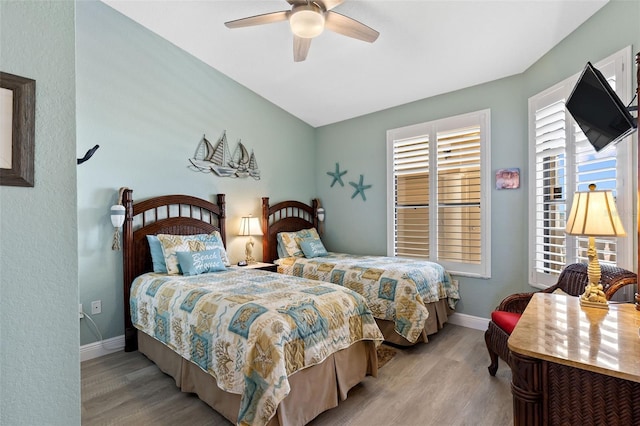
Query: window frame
481, 118
625, 177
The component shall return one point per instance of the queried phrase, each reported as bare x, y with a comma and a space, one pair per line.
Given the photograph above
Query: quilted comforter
396, 288
250, 329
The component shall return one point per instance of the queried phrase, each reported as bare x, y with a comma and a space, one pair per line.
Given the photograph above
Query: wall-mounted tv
598, 111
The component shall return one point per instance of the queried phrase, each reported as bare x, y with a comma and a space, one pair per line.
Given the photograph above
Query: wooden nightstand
271, 267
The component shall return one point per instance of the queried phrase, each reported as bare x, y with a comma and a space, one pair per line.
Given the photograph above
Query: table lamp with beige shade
594, 214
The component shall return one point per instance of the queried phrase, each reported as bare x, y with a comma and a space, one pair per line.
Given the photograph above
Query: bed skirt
313, 390
438, 315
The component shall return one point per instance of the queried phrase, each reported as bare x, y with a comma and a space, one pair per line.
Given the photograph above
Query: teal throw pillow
199, 262
313, 247
282, 253
157, 257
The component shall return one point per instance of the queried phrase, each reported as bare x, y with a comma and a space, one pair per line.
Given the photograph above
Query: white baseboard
464, 320
115, 344
104, 347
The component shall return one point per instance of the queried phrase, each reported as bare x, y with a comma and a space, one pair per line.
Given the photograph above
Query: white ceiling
425, 48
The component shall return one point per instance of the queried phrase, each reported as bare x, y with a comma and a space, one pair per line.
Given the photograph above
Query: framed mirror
17, 130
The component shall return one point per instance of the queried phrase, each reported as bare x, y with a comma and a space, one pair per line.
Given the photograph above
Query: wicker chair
572, 281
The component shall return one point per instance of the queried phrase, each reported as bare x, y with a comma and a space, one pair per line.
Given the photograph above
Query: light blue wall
39, 354
356, 226
147, 104
128, 88
615, 26
360, 147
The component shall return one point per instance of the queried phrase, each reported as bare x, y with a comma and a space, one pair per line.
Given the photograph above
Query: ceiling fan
308, 19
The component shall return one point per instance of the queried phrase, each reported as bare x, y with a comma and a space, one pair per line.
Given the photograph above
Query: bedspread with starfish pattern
396, 288
250, 329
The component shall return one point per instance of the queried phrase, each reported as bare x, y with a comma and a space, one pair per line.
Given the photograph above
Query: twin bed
261, 347
410, 299
258, 347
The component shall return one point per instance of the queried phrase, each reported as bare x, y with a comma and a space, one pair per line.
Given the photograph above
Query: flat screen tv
598, 111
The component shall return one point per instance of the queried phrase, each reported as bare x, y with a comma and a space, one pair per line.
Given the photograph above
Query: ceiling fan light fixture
307, 23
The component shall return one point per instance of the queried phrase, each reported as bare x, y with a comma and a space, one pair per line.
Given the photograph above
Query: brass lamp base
594, 297
588, 304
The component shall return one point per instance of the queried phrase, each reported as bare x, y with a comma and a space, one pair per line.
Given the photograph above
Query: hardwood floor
443, 382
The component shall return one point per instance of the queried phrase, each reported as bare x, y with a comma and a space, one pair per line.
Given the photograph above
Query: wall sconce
594, 214
320, 215
249, 226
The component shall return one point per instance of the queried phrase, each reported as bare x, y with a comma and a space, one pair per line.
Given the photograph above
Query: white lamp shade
594, 214
249, 225
307, 23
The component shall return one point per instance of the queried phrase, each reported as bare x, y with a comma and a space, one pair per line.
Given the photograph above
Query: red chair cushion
505, 320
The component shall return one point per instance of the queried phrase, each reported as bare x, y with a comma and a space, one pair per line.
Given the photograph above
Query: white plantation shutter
550, 185
445, 174
411, 169
563, 162
459, 221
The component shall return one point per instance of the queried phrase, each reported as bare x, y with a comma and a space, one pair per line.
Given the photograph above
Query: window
442, 164
561, 162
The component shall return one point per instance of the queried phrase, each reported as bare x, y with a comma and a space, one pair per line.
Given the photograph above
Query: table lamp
249, 226
594, 214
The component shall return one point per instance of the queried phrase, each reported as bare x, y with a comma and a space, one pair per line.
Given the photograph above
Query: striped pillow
289, 243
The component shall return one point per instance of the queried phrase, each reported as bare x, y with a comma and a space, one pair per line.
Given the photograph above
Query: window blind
550, 183
439, 196
411, 171
458, 196
459, 221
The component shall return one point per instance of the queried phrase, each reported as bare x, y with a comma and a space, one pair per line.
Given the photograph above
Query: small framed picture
508, 178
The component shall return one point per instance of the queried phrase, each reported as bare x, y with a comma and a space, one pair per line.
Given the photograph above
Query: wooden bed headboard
167, 214
285, 216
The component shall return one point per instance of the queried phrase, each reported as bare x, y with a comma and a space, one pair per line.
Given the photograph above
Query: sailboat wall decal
253, 167
209, 158
202, 157
240, 160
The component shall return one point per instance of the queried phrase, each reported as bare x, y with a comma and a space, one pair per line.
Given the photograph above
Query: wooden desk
575, 366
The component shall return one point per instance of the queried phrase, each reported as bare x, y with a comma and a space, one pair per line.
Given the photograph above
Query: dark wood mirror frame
23, 130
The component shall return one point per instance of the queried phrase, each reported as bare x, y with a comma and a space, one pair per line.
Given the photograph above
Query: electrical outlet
96, 307
80, 312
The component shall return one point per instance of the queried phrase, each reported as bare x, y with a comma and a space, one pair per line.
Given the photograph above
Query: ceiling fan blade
349, 27
266, 18
330, 4
300, 48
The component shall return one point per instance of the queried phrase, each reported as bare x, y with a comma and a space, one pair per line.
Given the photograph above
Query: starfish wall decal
337, 176
360, 188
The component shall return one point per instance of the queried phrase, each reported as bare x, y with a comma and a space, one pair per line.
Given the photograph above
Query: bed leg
130, 339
